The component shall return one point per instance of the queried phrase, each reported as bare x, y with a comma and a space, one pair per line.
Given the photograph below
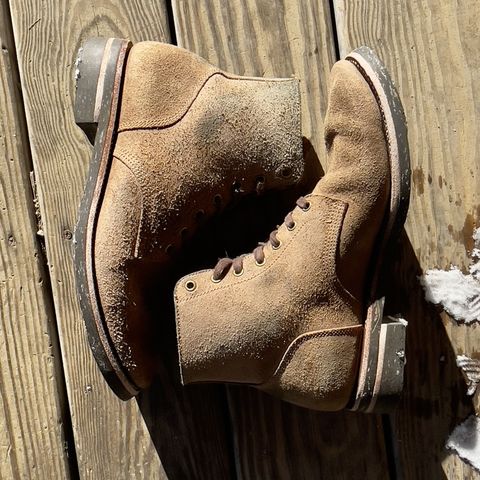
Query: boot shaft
162, 82
194, 136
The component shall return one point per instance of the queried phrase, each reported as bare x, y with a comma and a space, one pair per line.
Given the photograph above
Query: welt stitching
379, 103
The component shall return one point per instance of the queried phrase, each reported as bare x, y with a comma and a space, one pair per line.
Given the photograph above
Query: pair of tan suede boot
175, 141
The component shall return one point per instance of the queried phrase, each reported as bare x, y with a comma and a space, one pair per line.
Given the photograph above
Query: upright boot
301, 317
175, 140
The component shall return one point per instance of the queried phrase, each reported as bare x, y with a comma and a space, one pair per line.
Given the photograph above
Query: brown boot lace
224, 264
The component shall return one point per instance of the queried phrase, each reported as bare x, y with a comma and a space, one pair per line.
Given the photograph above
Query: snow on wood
471, 369
457, 292
465, 441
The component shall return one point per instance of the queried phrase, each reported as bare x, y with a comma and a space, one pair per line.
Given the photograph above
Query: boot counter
319, 369
161, 82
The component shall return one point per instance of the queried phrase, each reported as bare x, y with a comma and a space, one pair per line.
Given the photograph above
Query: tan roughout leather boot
301, 317
175, 140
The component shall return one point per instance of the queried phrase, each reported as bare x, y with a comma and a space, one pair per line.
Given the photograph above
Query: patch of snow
475, 268
465, 441
471, 369
476, 237
78, 61
459, 294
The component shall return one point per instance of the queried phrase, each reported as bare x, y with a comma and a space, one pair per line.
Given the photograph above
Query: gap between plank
171, 21
333, 23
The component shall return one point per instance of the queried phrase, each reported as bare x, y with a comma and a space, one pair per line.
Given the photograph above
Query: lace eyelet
260, 184
237, 187
239, 274
260, 264
190, 285
169, 249
276, 247
291, 227
307, 207
200, 215
217, 200
286, 172
184, 233
215, 280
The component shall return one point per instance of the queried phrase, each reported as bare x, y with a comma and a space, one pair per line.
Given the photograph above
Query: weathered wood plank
255, 37
112, 439
431, 49
32, 436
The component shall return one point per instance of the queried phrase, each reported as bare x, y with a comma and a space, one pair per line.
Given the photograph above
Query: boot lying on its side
175, 139
300, 317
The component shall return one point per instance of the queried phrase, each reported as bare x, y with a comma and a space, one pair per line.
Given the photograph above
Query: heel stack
382, 363
96, 61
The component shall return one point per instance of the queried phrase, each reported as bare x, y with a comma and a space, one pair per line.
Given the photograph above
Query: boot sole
380, 380
99, 73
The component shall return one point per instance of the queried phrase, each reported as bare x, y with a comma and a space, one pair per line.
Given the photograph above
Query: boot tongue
160, 82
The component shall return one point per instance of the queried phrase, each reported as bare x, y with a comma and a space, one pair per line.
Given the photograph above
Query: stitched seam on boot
351, 331
270, 264
140, 220
170, 121
179, 341
173, 120
247, 78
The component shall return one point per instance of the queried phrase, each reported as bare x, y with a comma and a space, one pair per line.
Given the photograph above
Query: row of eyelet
217, 201
190, 285
276, 247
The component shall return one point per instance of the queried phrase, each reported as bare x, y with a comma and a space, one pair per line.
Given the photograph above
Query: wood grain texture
431, 49
258, 37
159, 434
32, 437
274, 439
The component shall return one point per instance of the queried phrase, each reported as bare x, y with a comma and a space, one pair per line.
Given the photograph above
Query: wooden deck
58, 419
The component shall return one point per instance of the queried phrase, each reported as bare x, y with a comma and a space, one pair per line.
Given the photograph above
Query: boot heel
96, 60
382, 362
